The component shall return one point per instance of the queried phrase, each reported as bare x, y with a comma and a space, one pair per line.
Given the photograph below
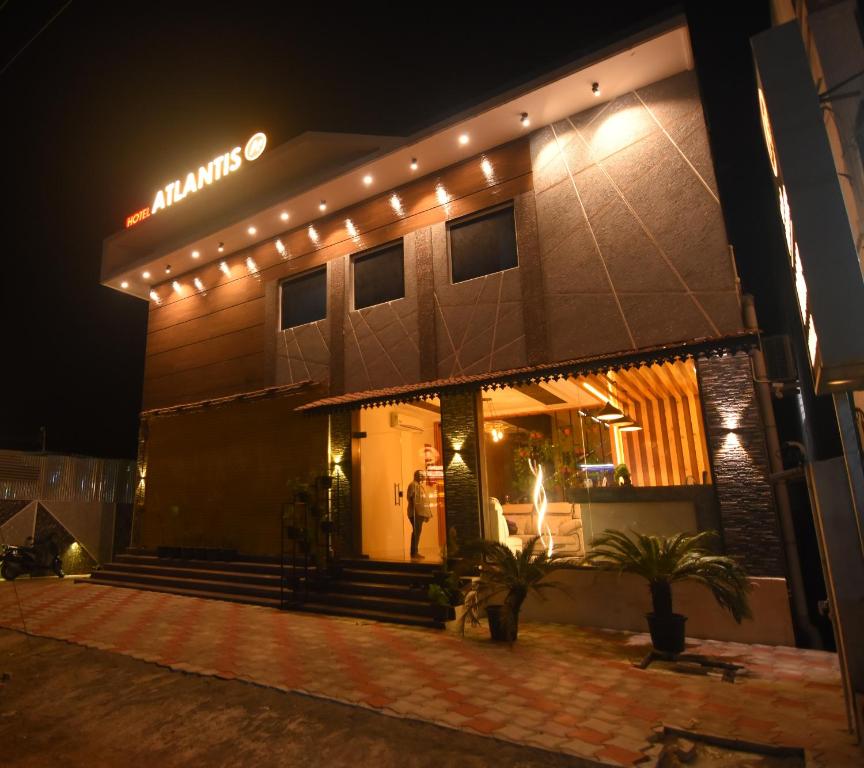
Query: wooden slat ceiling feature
570, 389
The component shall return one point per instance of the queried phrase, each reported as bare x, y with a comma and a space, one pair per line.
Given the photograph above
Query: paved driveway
559, 688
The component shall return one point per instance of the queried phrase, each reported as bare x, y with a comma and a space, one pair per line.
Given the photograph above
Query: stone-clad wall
340, 448
739, 458
462, 493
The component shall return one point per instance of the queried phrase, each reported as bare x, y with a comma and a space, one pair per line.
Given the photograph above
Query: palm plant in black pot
663, 560
505, 580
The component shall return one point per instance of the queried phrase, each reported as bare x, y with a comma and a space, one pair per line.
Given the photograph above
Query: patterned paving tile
563, 688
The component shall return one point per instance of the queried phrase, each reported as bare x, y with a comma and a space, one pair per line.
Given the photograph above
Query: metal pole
794, 572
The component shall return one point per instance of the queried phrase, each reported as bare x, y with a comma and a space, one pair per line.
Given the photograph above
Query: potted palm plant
505, 580
663, 560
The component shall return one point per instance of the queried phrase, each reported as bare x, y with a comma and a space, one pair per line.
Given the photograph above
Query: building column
340, 492
462, 433
739, 463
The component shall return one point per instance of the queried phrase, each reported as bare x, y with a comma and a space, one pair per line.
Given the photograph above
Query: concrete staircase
393, 592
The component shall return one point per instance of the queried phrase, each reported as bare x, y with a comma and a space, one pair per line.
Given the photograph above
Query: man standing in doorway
419, 510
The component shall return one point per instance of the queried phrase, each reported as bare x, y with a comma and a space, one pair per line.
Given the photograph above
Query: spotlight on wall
221, 247
124, 285
145, 275
226, 270
396, 204
442, 194
313, 234
525, 120
251, 265
195, 254
414, 165
198, 284
595, 89
281, 249
322, 206
155, 297
177, 287
464, 139
350, 228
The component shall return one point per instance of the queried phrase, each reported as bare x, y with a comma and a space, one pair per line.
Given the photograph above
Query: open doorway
400, 441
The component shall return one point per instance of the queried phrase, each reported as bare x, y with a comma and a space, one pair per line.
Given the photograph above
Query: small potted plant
663, 560
621, 475
505, 579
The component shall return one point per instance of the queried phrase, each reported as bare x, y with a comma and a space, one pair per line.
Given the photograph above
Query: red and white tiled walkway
559, 687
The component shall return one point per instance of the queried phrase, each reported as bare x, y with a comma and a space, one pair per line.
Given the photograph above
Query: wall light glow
396, 204
198, 284
154, 297
177, 287
281, 249
442, 195
350, 228
313, 234
488, 169
226, 270
251, 265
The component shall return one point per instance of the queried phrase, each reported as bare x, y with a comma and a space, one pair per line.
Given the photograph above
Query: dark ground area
71, 706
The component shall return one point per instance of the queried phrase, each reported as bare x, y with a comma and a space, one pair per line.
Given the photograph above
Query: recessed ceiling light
220, 247
464, 139
595, 89
322, 206
145, 275
284, 215
195, 254
367, 179
252, 231
167, 269
413, 163
525, 120
124, 285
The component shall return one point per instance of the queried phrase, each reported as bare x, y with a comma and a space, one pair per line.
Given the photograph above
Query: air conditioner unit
404, 422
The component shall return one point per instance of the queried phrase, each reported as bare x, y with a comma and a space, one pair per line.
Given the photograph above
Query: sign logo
255, 146
194, 181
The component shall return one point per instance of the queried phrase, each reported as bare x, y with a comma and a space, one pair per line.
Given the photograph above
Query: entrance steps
392, 592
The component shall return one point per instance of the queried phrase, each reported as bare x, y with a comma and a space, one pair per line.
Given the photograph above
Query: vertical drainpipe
794, 574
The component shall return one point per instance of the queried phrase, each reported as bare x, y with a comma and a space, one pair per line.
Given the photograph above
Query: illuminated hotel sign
193, 181
823, 261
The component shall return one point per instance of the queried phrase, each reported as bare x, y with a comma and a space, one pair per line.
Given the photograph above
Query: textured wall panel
382, 342
634, 250
739, 457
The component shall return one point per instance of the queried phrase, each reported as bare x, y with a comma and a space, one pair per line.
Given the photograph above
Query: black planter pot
502, 627
667, 631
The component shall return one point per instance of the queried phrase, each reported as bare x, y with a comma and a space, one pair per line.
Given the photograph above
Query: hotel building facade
543, 280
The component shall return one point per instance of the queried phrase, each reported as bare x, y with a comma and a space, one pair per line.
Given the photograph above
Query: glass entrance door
399, 441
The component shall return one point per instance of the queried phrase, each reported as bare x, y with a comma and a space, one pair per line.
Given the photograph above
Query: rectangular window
379, 276
484, 244
304, 298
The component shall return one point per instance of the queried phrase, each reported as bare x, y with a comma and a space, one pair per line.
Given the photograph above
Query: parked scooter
35, 559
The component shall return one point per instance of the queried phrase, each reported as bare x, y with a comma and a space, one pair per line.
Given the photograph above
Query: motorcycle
36, 559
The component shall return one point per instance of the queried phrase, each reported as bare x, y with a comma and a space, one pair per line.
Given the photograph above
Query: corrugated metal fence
55, 477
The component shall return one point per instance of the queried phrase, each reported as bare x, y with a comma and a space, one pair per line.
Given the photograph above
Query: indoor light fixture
220, 247
124, 285
226, 270
322, 206
251, 265
464, 139
145, 275
350, 228
313, 234
177, 287
281, 249
631, 428
155, 297
524, 120
284, 215
414, 164
442, 195
367, 179
195, 254
167, 269
610, 413
595, 89
198, 284
252, 231
396, 204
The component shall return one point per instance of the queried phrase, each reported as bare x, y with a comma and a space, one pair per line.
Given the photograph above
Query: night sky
107, 102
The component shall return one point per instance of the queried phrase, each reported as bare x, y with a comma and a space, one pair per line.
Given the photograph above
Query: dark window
304, 298
379, 276
481, 245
